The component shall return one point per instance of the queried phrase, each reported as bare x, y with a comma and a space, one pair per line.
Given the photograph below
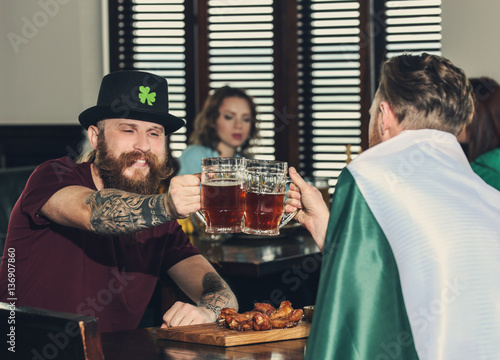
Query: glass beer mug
222, 194
265, 187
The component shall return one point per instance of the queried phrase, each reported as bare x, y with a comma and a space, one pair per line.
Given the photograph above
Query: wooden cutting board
212, 334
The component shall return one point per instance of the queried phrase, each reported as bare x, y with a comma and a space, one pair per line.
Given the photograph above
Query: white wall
51, 54
471, 36
50, 60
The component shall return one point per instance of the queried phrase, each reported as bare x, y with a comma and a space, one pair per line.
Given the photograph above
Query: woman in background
224, 127
483, 133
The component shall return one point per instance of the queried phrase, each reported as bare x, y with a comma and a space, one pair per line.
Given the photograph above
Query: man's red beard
111, 170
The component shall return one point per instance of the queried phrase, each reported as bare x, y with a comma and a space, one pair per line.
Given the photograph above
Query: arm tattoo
115, 212
216, 294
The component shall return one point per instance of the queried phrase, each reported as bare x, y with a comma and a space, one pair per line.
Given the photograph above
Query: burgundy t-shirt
70, 270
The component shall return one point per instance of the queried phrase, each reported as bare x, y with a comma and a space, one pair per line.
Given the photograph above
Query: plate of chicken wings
263, 317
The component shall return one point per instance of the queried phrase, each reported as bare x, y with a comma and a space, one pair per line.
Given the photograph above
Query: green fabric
487, 166
360, 313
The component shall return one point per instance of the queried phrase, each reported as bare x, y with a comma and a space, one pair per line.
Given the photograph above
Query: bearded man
93, 237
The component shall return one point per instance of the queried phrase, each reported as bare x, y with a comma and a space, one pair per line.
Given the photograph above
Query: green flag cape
367, 317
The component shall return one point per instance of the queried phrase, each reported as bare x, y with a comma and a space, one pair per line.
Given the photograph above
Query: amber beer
222, 194
263, 212
265, 186
222, 204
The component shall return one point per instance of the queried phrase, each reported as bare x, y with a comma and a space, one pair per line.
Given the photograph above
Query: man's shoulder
64, 161
410, 146
62, 169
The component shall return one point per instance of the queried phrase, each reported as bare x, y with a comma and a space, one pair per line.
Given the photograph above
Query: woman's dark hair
484, 131
205, 132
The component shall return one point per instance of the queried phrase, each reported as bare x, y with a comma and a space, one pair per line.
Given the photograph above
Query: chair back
12, 183
38, 334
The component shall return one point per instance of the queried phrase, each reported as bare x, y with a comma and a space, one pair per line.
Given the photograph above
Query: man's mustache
128, 159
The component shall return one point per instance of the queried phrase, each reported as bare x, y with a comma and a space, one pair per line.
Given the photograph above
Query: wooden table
142, 344
268, 269
257, 256
259, 269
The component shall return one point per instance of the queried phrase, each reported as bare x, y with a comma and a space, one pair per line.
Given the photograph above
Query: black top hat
134, 95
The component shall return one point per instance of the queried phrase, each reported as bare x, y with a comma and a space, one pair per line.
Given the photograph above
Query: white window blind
156, 36
330, 79
152, 38
413, 26
240, 54
329, 46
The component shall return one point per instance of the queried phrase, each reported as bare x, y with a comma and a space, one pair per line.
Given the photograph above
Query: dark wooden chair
42, 334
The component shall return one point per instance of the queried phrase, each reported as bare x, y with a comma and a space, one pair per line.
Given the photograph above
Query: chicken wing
264, 308
284, 310
261, 322
291, 320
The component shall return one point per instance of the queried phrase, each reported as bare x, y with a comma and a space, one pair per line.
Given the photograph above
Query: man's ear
388, 120
93, 134
389, 123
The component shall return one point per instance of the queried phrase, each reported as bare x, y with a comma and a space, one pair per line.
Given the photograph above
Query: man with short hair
412, 245
93, 237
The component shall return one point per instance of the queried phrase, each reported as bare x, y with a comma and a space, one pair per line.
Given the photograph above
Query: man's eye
155, 134
127, 131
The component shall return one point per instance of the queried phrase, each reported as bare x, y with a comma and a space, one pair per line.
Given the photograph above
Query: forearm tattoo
216, 294
115, 212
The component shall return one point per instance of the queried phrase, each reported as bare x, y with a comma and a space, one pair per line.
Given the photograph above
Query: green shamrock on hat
146, 95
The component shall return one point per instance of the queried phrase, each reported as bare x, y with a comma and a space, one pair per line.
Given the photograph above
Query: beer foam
264, 192
224, 183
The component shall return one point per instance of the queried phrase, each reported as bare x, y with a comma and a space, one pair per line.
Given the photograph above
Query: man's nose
142, 143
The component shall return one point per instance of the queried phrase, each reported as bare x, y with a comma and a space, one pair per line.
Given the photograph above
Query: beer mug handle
286, 218
201, 217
